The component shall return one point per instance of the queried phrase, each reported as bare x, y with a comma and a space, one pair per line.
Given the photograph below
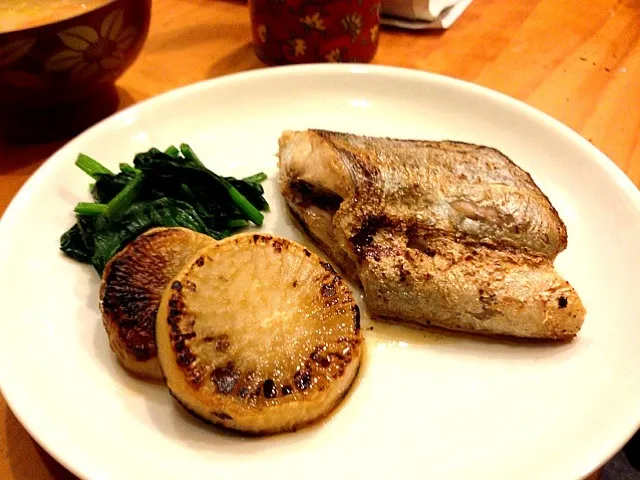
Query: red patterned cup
307, 31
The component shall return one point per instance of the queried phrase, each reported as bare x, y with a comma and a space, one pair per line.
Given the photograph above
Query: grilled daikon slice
132, 285
257, 334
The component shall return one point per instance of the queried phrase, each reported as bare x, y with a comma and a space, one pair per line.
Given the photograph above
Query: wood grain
578, 60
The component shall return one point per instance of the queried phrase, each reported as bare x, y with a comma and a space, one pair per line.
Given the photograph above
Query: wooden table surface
578, 60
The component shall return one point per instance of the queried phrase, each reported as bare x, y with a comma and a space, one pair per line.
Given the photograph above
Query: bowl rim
71, 18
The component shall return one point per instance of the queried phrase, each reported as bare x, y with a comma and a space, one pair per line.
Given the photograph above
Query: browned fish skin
440, 233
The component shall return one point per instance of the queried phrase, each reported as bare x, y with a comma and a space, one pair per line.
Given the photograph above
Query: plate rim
10, 216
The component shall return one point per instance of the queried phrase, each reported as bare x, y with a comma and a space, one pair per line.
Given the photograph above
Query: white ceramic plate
426, 405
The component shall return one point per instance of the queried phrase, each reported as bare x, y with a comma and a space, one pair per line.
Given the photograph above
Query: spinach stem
172, 151
189, 154
126, 168
242, 203
125, 197
240, 200
91, 167
236, 223
257, 178
90, 209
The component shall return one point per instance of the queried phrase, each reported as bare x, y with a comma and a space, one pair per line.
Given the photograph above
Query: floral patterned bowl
62, 62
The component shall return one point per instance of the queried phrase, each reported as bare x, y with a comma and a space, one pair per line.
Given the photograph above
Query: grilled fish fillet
439, 233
